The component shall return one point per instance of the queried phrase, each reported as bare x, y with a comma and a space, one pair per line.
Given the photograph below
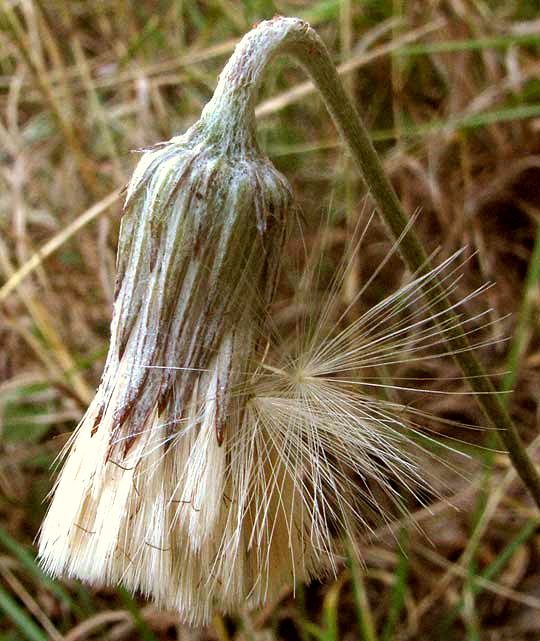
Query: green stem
243, 74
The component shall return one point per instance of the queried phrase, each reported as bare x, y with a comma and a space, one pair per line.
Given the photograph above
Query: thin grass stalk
241, 79
16, 31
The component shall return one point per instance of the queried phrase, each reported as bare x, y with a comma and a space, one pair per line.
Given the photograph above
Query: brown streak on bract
220, 430
97, 422
180, 182
128, 443
164, 400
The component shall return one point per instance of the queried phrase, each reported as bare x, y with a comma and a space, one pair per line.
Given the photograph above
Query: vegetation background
451, 91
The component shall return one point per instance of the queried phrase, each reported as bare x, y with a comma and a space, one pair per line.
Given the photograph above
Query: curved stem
236, 95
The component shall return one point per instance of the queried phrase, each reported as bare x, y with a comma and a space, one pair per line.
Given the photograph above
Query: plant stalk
238, 88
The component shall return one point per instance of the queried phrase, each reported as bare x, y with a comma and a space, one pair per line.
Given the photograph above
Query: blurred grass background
451, 92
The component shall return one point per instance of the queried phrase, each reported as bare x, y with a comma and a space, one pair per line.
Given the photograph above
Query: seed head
211, 467
144, 491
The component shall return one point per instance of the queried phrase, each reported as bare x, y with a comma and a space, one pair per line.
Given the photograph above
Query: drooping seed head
204, 224
207, 473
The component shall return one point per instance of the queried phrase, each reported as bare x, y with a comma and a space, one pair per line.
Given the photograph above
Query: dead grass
450, 90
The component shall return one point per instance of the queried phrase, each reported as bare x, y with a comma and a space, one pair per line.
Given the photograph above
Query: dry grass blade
491, 586
272, 105
89, 626
91, 214
36, 66
30, 603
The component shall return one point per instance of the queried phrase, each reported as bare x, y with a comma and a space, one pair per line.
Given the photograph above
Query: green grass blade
330, 611
321, 12
366, 629
522, 331
141, 625
316, 631
496, 566
400, 585
517, 349
20, 617
28, 561
473, 44
472, 121
493, 569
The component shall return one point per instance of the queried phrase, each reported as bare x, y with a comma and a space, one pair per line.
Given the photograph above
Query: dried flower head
212, 467
198, 256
